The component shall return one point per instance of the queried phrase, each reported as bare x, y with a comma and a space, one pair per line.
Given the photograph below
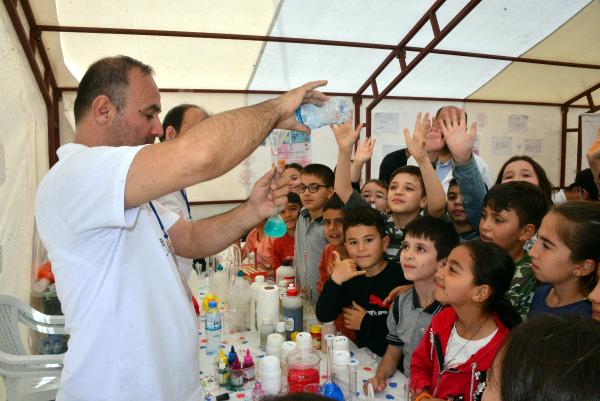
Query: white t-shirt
132, 327
459, 349
176, 203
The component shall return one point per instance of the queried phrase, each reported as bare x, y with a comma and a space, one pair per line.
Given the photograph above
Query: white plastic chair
27, 377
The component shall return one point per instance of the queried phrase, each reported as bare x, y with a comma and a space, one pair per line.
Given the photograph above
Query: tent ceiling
559, 30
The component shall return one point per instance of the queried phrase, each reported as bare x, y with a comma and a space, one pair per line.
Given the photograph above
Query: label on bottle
289, 324
213, 325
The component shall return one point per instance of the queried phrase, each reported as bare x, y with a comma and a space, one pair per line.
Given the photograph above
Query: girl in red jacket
451, 361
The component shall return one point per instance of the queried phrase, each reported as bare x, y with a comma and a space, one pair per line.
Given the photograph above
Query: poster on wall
533, 146
517, 123
502, 145
295, 148
386, 123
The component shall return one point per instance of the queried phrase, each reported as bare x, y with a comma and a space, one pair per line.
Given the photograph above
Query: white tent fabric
559, 30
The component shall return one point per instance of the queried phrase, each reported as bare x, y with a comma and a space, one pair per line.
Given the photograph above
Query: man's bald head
180, 118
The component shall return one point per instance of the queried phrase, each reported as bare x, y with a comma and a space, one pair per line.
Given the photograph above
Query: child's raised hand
416, 144
344, 270
459, 141
378, 383
364, 150
345, 136
353, 316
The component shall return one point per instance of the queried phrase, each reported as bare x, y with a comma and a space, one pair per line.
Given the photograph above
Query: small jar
315, 333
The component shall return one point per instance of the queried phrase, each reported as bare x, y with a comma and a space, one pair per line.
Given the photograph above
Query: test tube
352, 363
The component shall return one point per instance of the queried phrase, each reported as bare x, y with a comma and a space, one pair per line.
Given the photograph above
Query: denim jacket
472, 188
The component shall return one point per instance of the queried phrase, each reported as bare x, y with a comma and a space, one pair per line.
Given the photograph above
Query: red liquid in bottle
298, 378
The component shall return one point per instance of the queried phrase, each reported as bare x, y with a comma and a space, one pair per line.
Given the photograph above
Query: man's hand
417, 145
395, 292
269, 195
345, 135
364, 150
353, 316
344, 270
459, 141
290, 101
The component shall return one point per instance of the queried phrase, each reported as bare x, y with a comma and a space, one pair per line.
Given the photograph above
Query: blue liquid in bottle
275, 227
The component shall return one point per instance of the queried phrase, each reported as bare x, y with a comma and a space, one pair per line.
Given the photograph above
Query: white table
250, 339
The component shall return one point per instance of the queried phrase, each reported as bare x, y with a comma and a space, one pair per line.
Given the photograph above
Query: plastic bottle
266, 328
214, 324
341, 343
238, 303
255, 287
274, 342
221, 283
336, 111
285, 272
257, 392
292, 310
280, 329
236, 378
248, 367
341, 371
222, 374
270, 374
315, 332
231, 356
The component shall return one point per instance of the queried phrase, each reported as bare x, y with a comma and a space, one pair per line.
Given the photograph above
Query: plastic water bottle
214, 323
239, 303
336, 111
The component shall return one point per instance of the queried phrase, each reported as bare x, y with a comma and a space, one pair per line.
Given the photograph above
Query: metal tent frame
30, 35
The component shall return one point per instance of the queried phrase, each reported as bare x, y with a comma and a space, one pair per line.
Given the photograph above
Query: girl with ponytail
452, 359
565, 257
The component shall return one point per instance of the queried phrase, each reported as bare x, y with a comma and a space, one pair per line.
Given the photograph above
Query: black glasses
312, 188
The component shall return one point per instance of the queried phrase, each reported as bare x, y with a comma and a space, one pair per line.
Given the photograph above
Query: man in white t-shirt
176, 122
440, 154
131, 321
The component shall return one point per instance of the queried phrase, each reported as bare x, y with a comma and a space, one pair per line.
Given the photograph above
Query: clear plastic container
302, 369
336, 111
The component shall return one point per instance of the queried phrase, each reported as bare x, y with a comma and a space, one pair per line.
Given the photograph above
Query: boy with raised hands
358, 285
411, 190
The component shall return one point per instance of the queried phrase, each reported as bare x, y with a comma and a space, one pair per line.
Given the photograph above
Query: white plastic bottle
255, 287
213, 326
221, 283
270, 374
285, 272
239, 303
336, 111
267, 327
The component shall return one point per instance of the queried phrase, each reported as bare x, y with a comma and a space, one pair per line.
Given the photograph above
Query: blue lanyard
171, 250
162, 227
187, 203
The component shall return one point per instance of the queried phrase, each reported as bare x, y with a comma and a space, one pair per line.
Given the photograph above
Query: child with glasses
315, 188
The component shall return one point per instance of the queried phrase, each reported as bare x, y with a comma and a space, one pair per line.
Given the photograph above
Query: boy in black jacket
358, 286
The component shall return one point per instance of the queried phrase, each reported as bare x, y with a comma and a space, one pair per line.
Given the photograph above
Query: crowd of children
463, 263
